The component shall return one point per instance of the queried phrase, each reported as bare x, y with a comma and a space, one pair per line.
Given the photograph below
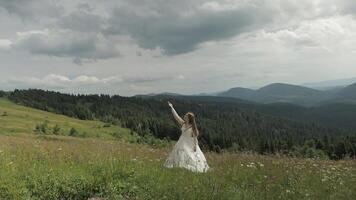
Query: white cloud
87, 80
5, 44
83, 82
327, 33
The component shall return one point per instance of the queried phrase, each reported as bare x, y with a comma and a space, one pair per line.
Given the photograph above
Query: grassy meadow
20, 120
106, 163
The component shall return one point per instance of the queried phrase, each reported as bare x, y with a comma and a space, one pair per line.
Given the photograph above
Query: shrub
73, 132
308, 152
235, 148
56, 129
117, 135
106, 125
42, 128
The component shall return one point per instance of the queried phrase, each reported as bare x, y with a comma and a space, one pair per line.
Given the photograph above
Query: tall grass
72, 168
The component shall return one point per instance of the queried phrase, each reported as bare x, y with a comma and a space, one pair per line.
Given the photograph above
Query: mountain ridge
295, 94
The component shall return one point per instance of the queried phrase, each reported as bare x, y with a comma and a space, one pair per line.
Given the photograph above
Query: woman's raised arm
175, 114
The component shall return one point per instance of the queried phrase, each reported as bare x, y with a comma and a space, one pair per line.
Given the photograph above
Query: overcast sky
131, 47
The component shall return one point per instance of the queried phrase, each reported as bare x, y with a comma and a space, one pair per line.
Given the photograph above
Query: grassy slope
20, 120
78, 168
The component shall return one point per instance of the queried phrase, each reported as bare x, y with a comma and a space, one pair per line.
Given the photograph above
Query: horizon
186, 47
330, 84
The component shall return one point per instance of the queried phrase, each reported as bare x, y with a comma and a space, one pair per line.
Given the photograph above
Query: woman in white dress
186, 152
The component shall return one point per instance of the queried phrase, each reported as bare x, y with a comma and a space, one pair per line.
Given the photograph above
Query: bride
186, 152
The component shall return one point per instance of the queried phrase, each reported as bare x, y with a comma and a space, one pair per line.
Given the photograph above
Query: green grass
62, 167
74, 168
20, 120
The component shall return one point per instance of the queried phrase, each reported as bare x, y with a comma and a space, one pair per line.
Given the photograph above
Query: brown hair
191, 120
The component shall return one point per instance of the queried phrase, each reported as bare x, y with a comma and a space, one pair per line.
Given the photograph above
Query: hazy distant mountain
158, 94
345, 95
331, 84
238, 92
348, 92
278, 92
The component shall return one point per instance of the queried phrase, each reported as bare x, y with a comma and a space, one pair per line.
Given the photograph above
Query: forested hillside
336, 115
222, 125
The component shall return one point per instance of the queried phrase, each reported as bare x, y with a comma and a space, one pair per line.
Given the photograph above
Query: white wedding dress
183, 154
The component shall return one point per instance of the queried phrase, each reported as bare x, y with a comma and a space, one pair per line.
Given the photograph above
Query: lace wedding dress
183, 154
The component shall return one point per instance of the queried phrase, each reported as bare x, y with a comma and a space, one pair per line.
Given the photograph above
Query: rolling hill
294, 94
278, 93
328, 84
347, 94
21, 120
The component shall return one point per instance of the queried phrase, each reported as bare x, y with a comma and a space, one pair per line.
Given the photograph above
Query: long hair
191, 120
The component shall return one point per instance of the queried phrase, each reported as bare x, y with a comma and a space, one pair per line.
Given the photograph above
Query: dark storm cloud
177, 30
82, 20
349, 7
28, 9
176, 27
67, 44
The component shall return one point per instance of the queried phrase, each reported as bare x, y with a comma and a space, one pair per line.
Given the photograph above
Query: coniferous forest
223, 126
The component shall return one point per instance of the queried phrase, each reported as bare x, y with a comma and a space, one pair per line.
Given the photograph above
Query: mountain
347, 93
294, 94
278, 92
331, 84
238, 92
158, 94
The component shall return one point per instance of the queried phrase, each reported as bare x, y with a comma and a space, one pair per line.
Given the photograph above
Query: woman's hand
170, 104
